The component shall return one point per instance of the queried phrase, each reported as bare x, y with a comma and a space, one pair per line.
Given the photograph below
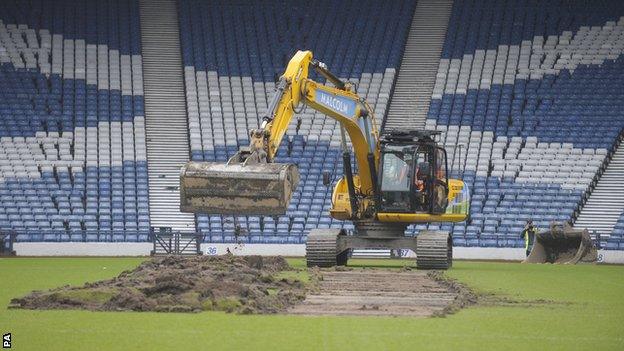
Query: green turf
294, 275
582, 307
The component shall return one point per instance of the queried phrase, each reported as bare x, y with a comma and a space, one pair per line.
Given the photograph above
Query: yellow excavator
401, 176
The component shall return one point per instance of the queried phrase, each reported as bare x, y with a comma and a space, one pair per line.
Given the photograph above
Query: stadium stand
605, 203
72, 146
230, 69
616, 239
530, 96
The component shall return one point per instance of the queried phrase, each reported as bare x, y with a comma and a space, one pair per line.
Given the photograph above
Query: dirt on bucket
239, 284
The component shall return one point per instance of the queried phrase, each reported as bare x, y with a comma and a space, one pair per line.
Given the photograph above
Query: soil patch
463, 295
240, 284
384, 292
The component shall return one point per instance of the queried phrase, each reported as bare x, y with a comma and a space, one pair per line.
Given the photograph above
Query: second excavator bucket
237, 189
564, 245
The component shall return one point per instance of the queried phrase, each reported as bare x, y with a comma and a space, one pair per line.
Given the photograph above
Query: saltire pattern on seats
72, 147
233, 51
530, 96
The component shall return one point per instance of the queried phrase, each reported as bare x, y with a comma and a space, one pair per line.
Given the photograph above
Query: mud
464, 297
248, 284
383, 292
260, 285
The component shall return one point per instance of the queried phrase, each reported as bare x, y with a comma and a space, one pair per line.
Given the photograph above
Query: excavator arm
251, 183
339, 103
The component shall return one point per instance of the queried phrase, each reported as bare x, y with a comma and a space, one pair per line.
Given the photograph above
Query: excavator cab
412, 174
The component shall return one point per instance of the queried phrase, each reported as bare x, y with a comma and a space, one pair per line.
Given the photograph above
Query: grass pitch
522, 307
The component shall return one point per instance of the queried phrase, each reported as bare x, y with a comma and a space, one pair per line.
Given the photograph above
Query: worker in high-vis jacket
528, 234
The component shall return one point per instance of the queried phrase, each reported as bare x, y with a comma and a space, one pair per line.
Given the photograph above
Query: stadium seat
226, 93
72, 132
536, 106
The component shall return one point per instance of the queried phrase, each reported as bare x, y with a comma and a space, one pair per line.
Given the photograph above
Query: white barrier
295, 250
82, 249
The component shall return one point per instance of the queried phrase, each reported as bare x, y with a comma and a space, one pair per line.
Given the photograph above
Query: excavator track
322, 249
434, 250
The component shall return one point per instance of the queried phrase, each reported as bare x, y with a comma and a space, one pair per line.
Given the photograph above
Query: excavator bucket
564, 245
237, 189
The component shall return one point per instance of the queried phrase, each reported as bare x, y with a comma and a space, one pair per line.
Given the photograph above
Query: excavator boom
251, 183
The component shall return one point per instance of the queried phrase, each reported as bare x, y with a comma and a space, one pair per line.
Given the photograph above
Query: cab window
396, 173
440, 171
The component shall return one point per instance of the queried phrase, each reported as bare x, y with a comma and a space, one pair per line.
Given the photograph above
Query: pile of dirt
240, 284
